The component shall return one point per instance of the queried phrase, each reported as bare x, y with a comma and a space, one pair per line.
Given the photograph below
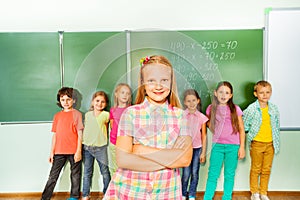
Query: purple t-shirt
115, 114
223, 128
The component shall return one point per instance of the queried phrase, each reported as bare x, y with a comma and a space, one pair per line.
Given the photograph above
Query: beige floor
97, 196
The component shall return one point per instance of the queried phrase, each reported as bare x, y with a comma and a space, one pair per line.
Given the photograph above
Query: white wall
24, 149
100, 15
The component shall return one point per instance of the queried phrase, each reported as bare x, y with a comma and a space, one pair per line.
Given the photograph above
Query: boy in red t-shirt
66, 143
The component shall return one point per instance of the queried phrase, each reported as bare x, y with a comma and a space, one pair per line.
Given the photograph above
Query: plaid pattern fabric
127, 184
195, 122
253, 118
155, 126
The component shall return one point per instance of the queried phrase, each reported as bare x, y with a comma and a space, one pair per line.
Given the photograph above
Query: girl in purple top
228, 145
197, 124
122, 99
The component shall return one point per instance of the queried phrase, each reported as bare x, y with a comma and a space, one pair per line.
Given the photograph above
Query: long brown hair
215, 102
141, 93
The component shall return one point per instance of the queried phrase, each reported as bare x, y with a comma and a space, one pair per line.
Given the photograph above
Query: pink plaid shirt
195, 122
154, 126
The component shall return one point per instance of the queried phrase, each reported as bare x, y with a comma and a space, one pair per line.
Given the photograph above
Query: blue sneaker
72, 198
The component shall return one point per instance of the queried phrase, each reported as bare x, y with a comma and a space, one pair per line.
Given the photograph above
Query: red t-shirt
66, 126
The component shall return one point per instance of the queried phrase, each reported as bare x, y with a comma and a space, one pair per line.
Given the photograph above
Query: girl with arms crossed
153, 138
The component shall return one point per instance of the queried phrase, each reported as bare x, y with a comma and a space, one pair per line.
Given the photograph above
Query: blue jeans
227, 154
193, 172
90, 153
59, 162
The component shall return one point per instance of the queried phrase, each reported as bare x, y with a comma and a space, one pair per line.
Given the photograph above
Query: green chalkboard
30, 65
94, 61
203, 58
29, 76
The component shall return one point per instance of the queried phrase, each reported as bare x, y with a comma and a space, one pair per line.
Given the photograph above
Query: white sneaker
255, 196
264, 197
192, 198
183, 198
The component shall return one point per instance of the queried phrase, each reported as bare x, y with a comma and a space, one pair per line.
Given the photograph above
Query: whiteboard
282, 63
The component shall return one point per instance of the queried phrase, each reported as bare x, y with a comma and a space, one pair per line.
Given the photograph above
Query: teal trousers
226, 154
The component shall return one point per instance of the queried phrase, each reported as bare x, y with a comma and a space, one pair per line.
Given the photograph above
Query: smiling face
157, 82
191, 102
223, 94
66, 102
99, 103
